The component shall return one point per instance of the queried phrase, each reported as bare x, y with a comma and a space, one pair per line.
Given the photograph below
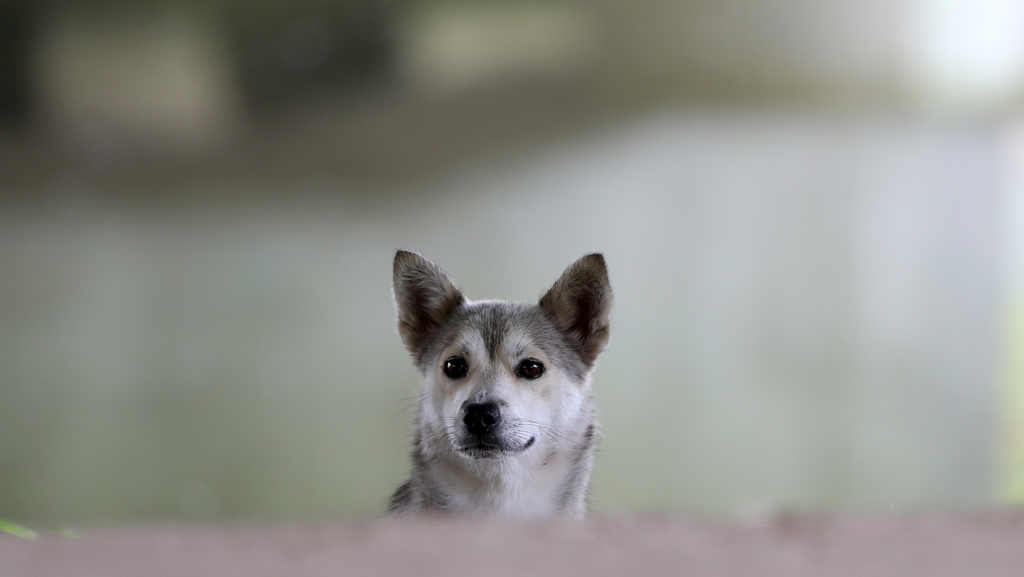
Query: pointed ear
424, 296
580, 302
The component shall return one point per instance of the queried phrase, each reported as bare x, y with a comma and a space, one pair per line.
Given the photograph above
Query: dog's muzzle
482, 421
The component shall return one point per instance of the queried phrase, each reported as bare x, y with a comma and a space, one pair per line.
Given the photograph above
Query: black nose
481, 418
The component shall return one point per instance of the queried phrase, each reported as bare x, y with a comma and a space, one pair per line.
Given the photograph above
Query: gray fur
579, 303
424, 296
541, 458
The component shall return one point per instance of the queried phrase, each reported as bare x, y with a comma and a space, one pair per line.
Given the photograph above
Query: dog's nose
481, 418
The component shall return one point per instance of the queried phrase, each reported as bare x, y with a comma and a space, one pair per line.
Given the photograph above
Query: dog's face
502, 378
499, 377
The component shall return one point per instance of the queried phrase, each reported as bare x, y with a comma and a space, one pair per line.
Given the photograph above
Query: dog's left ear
580, 303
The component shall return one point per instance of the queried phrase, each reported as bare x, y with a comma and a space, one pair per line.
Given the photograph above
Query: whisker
419, 400
551, 434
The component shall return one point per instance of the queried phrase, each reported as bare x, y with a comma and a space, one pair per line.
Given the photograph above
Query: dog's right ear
424, 296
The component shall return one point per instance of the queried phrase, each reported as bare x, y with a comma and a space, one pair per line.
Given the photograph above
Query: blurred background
812, 210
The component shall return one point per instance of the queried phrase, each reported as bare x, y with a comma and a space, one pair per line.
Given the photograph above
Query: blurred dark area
283, 49
16, 27
250, 90
400, 90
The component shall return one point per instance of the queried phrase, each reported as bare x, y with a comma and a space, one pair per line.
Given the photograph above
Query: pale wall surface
805, 318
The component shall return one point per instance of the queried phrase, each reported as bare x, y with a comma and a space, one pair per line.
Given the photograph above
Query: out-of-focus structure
811, 211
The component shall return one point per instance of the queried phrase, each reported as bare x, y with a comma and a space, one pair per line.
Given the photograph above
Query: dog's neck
515, 486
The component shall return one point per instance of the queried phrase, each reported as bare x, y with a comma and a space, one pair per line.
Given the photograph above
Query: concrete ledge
989, 544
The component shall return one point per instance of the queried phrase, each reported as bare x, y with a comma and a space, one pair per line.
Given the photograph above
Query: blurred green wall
805, 318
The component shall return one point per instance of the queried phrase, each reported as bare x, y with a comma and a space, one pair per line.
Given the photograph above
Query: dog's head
502, 377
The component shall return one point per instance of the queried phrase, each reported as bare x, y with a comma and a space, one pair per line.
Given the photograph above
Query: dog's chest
517, 489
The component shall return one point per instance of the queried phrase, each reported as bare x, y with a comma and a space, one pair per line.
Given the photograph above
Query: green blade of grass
17, 530
69, 533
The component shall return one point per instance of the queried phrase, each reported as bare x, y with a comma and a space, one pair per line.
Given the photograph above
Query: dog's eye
529, 369
456, 368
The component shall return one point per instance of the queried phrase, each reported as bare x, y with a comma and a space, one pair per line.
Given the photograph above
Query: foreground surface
990, 544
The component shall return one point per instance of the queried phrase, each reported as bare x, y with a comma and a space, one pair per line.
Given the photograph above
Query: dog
506, 424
